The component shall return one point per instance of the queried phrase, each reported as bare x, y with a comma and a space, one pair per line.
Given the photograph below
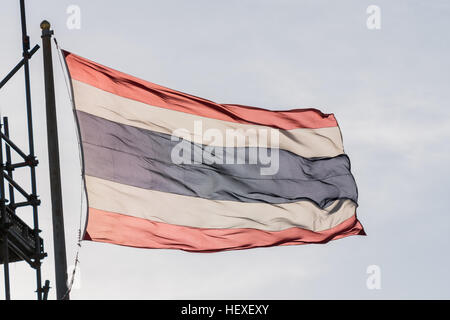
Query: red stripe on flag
125, 230
130, 87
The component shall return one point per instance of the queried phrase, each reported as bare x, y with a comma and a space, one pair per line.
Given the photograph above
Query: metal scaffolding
18, 241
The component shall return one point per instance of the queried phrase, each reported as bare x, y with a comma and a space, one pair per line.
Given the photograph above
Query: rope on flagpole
77, 260
63, 69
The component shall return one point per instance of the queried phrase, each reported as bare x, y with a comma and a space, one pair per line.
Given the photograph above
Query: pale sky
388, 88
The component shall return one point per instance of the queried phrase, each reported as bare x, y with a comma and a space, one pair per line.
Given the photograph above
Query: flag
166, 169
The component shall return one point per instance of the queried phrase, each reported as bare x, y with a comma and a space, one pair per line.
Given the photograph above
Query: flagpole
59, 241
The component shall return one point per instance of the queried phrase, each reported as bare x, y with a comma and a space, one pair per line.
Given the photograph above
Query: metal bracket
19, 65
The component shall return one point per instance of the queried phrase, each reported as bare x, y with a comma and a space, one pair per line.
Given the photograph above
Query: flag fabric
165, 169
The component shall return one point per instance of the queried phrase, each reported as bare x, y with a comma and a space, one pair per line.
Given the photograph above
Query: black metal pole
17, 67
26, 56
11, 201
5, 226
8, 162
46, 289
55, 175
12, 145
